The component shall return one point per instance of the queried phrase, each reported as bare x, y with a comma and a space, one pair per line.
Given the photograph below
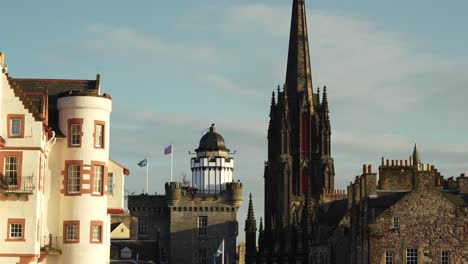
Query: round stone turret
233, 193
173, 192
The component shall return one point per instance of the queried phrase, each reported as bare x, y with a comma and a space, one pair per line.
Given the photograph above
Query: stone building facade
408, 216
188, 223
307, 220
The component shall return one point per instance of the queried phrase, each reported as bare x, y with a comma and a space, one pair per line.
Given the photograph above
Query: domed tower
83, 221
212, 168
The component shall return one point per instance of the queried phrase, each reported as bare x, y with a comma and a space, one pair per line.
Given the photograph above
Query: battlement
405, 164
459, 184
330, 195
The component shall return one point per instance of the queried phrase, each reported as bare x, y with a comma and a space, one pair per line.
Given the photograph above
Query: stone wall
428, 221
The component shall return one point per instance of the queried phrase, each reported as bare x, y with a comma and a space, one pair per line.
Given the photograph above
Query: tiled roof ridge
25, 100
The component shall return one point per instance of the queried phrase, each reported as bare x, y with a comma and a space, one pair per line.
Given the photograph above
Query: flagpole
224, 246
147, 173
172, 151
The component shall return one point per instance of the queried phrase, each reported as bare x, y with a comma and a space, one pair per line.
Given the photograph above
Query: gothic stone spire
416, 157
298, 72
250, 223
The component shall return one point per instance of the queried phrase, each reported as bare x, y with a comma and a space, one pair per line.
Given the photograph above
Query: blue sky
395, 72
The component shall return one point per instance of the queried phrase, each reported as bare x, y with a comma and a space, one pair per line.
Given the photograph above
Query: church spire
416, 157
325, 100
250, 235
250, 223
298, 72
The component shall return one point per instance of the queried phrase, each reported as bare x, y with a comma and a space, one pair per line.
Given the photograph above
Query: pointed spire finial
416, 157
298, 71
325, 99
250, 212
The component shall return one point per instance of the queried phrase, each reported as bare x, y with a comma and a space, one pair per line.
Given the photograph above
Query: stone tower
299, 166
250, 235
189, 222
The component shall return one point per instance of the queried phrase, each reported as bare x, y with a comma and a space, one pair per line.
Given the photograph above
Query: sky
395, 71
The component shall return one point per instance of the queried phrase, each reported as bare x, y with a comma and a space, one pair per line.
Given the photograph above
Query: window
202, 259
445, 257
96, 232
164, 256
97, 179
72, 231
73, 178
11, 170
110, 183
202, 225
142, 226
15, 125
389, 257
16, 229
396, 222
99, 130
74, 132
411, 256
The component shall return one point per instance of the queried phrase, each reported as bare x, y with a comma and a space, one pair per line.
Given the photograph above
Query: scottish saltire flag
143, 163
168, 150
220, 249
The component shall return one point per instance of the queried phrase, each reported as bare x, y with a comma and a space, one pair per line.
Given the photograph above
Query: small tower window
99, 134
73, 178
142, 226
74, 132
97, 179
202, 225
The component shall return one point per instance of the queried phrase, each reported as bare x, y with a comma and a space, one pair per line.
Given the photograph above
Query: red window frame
93, 224
67, 223
9, 125
75, 121
103, 124
20, 221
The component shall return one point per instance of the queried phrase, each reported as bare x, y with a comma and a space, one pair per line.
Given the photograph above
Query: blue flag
143, 163
220, 249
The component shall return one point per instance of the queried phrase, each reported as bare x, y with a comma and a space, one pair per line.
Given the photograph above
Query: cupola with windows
212, 167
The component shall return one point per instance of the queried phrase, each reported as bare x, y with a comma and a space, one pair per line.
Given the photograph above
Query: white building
58, 187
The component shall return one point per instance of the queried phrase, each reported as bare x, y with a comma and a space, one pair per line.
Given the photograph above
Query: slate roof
335, 213
384, 200
54, 87
457, 199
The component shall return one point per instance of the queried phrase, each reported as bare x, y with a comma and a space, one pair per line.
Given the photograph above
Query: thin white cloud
125, 40
221, 83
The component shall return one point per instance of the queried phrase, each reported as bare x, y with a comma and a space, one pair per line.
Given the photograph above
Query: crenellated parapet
173, 192
233, 194
330, 195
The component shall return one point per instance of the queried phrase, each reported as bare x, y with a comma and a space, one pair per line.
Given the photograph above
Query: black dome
211, 141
